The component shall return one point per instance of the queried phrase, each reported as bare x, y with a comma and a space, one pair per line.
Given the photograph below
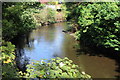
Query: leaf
116, 49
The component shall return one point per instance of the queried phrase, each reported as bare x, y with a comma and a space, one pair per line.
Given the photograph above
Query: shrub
7, 58
99, 23
18, 18
55, 68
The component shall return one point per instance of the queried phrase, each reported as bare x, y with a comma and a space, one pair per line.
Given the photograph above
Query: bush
17, 18
8, 64
55, 68
99, 23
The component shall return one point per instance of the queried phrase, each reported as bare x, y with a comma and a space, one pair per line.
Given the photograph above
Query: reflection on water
49, 41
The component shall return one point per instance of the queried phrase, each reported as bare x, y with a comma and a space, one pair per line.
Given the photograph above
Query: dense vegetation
99, 23
17, 19
54, 68
20, 18
9, 69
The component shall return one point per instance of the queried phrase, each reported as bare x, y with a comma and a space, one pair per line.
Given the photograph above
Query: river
49, 42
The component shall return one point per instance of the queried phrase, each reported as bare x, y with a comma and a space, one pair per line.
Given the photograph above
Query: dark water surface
49, 42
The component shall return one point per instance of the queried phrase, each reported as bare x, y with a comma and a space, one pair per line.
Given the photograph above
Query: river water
49, 42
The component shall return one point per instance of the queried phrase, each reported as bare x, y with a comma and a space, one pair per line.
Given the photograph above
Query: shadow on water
21, 59
36, 42
101, 52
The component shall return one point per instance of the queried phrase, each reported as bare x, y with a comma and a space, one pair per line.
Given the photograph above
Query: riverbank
48, 16
99, 52
50, 42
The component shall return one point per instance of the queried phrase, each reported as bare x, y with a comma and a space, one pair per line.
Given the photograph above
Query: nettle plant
55, 68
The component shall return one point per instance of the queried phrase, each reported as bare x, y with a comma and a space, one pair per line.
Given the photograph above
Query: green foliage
72, 15
28, 21
64, 11
55, 68
71, 10
18, 18
99, 24
52, 3
51, 15
8, 65
45, 16
78, 35
7, 52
